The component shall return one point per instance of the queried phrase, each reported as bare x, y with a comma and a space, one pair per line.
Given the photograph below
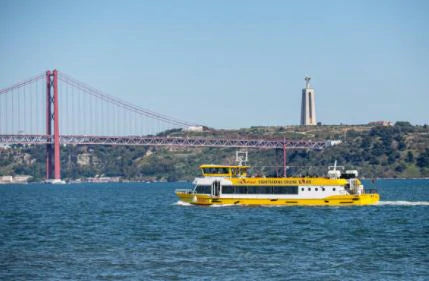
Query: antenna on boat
241, 157
333, 173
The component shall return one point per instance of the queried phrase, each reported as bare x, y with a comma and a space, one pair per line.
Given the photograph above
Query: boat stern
369, 198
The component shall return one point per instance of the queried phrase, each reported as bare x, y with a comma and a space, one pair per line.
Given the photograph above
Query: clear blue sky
231, 64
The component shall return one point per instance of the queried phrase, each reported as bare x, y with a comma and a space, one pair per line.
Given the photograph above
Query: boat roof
222, 166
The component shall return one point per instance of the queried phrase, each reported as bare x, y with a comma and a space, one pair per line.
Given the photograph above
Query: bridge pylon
52, 116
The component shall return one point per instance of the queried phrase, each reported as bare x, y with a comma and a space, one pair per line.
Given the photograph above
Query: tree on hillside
404, 124
423, 159
410, 157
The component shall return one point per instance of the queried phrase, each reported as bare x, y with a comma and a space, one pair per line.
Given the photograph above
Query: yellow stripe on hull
336, 200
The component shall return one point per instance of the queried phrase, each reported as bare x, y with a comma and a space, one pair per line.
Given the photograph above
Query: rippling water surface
139, 231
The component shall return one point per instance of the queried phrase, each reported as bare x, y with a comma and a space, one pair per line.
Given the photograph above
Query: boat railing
370, 191
186, 191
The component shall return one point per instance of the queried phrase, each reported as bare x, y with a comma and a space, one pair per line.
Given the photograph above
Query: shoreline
180, 181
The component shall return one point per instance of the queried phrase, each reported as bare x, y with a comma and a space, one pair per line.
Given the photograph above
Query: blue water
139, 232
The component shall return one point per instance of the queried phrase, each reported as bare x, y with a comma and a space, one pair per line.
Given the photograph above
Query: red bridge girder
165, 141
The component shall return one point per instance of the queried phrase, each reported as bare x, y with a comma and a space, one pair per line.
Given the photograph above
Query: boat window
309, 189
228, 189
260, 189
241, 189
323, 189
235, 172
302, 189
285, 189
223, 171
252, 189
316, 189
216, 170
203, 189
333, 189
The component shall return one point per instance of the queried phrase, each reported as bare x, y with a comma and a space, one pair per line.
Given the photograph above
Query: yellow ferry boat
230, 185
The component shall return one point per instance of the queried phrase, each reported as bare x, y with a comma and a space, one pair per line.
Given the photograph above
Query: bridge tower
52, 115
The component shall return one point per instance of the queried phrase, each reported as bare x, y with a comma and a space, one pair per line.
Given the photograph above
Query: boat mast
284, 157
241, 156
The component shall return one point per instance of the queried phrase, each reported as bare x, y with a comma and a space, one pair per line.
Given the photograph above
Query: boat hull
336, 200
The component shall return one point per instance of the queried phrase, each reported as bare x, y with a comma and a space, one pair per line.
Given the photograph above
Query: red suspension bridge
30, 114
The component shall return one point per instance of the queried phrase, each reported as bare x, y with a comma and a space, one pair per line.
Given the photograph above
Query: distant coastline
376, 151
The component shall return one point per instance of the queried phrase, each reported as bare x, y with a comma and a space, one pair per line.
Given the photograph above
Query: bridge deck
164, 141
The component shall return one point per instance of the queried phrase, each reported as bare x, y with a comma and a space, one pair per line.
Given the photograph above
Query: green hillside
401, 150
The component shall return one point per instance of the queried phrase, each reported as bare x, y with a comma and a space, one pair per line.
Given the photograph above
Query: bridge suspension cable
22, 83
126, 105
